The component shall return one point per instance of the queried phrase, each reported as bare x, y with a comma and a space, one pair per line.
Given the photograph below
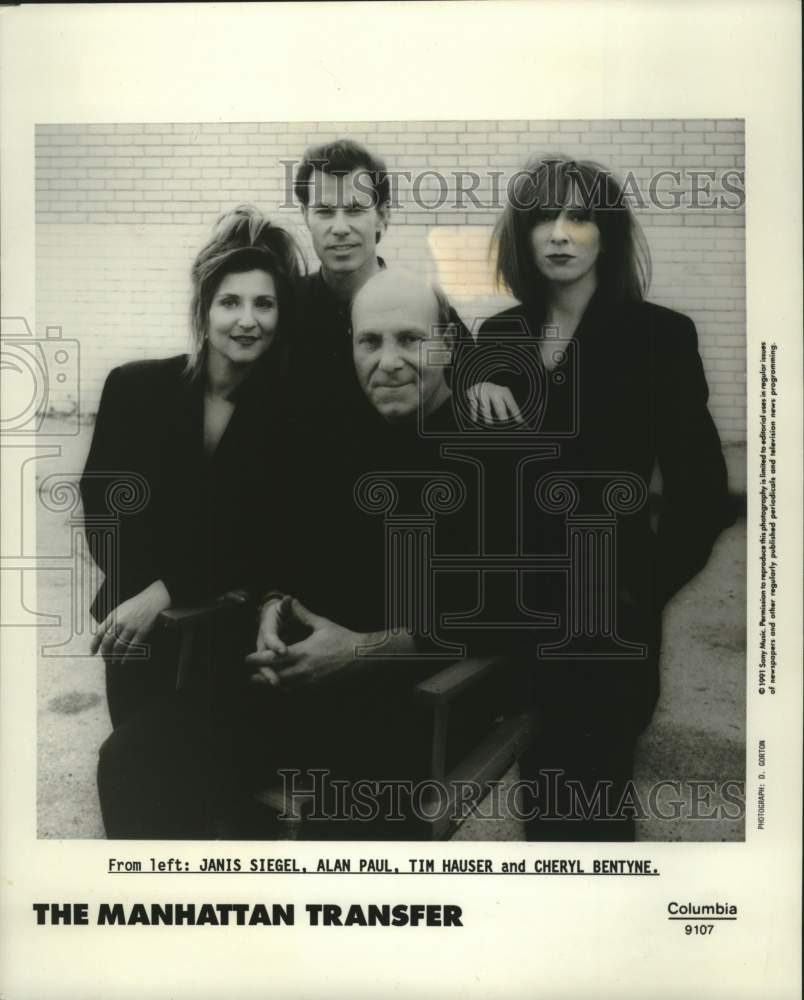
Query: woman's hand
130, 623
491, 403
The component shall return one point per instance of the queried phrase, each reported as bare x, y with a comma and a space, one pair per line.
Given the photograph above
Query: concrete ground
698, 731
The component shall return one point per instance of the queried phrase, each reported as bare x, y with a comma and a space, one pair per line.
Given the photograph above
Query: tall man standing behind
344, 192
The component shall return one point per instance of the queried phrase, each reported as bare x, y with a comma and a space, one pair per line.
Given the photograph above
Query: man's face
344, 221
399, 358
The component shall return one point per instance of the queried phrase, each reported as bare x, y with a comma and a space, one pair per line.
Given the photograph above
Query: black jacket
339, 559
334, 534
628, 394
189, 526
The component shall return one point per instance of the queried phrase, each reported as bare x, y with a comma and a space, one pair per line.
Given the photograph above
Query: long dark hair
540, 191
243, 239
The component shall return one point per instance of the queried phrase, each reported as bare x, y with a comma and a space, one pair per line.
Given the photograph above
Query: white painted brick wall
122, 209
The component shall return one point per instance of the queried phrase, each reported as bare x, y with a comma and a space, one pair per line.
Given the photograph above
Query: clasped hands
325, 649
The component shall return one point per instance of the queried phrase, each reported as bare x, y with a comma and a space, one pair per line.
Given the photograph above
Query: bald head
401, 344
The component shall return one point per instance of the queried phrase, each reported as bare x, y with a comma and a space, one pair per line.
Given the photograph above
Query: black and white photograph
401, 543
362, 567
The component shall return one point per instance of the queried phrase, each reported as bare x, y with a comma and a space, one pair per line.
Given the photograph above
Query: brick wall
122, 209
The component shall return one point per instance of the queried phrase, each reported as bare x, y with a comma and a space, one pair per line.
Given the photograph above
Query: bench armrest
188, 617
447, 684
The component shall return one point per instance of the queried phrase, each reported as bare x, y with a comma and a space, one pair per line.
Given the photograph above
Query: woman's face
243, 317
566, 247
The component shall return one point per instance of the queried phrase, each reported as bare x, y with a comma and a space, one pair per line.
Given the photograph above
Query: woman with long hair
615, 385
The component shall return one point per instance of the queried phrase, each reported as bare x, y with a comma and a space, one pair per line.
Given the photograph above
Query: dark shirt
348, 493
334, 533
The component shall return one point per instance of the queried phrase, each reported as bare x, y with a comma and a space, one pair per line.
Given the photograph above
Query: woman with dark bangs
616, 384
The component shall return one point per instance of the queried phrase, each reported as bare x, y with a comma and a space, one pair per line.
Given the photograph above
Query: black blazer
191, 526
631, 390
636, 387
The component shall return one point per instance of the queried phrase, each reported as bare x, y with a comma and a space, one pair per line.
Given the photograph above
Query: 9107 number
698, 929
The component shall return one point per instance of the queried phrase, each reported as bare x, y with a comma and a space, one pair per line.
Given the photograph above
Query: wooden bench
438, 696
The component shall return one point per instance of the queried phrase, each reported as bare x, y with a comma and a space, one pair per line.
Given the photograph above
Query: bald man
330, 707
403, 339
